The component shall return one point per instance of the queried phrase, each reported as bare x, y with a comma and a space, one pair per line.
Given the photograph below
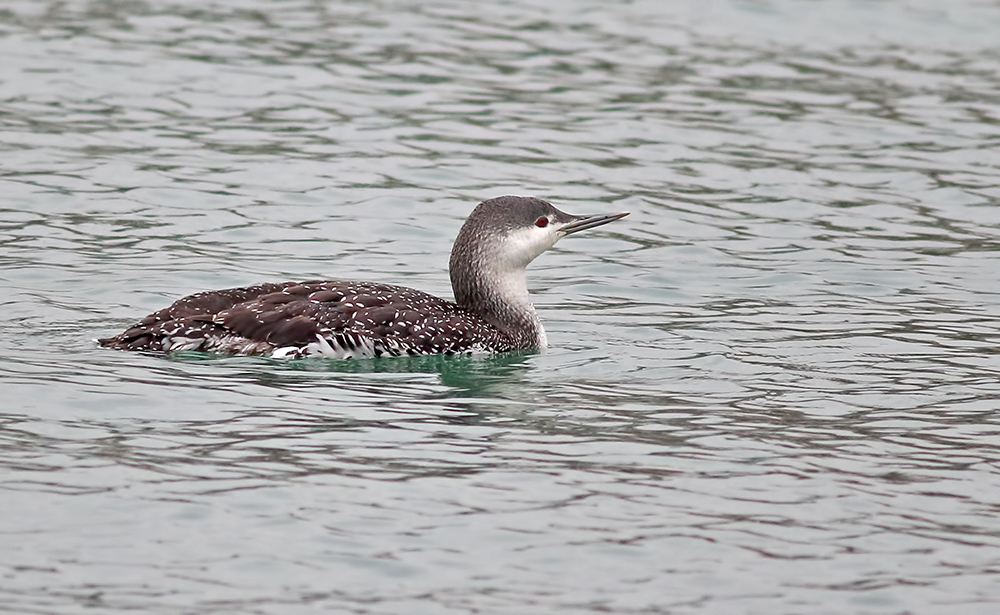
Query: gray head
500, 238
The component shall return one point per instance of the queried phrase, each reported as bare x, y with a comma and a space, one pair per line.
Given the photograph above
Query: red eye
542, 222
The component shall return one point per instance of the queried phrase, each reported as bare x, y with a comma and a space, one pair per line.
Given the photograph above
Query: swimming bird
492, 311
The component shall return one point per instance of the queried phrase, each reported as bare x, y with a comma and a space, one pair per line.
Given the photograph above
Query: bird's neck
500, 297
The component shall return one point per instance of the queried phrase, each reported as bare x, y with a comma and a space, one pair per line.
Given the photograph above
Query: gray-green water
774, 388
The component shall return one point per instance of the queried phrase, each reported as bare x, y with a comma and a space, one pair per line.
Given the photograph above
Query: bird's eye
542, 222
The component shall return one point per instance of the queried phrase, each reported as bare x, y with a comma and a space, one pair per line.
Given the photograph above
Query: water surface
771, 389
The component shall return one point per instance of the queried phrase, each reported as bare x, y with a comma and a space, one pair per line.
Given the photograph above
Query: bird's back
333, 318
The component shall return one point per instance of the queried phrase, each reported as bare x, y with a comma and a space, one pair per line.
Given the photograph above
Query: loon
492, 311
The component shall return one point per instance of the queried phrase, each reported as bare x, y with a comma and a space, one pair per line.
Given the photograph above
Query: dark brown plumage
357, 317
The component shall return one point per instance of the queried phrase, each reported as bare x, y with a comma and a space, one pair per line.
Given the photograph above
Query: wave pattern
772, 388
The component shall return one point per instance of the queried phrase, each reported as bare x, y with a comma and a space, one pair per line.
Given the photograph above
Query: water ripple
771, 388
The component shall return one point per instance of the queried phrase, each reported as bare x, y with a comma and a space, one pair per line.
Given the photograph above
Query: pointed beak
582, 223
